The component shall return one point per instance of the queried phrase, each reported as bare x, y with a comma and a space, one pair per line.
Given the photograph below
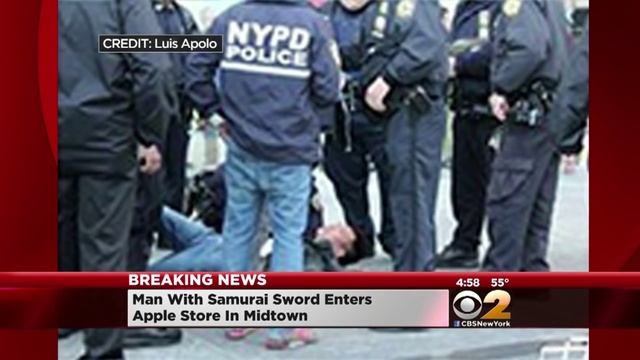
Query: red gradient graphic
48, 45
28, 190
614, 243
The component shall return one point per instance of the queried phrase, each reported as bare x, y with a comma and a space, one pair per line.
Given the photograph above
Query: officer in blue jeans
279, 62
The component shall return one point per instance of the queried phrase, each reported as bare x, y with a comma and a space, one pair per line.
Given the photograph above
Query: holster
531, 108
416, 98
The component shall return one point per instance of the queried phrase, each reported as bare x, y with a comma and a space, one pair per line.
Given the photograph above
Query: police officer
356, 141
472, 128
568, 120
108, 104
279, 61
530, 50
404, 78
176, 19
165, 186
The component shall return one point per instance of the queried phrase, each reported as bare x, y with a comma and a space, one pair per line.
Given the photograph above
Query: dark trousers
94, 219
349, 172
414, 148
146, 220
175, 163
520, 200
470, 176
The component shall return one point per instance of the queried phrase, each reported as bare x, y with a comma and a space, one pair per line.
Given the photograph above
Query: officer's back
276, 65
473, 20
531, 46
108, 102
538, 44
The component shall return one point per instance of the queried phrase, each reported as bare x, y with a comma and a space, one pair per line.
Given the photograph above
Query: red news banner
457, 300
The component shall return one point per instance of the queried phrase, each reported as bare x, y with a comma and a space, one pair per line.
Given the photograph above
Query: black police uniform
356, 142
108, 103
530, 50
168, 184
150, 192
568, 119
472, 128
176, 19
405, 43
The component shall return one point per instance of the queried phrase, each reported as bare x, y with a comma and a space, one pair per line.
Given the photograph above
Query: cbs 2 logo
467, 305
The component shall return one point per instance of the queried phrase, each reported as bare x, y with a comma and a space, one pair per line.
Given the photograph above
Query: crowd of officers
374, 76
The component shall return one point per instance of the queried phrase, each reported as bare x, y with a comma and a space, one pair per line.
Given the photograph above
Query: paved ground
568, 252
359, 344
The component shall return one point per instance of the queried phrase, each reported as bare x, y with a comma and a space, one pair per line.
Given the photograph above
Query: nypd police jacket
277, 65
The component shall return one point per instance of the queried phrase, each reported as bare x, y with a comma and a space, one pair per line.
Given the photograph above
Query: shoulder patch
405, 8
511, 8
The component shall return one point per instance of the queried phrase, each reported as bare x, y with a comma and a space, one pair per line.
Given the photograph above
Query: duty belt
532, 106
474, 109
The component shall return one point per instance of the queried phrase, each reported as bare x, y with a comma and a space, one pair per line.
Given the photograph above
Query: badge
379, 27
405, 8
511, 8
484, 22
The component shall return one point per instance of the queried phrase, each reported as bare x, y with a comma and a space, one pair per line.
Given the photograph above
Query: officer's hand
150, 159
499, 106
570, 164
376, 93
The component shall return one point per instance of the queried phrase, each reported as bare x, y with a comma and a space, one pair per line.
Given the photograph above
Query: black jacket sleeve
200, 72
191, 28
155, 99
569, 117
475, 64
325, 66
423, 47
521, 45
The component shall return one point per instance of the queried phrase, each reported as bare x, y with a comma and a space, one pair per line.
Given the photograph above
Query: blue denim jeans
195, 246
283, 190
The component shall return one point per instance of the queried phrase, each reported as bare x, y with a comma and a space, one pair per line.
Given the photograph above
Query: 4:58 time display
468, 282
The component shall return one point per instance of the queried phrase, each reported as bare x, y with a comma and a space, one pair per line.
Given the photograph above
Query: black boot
454, 257
143, 337
353, 257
